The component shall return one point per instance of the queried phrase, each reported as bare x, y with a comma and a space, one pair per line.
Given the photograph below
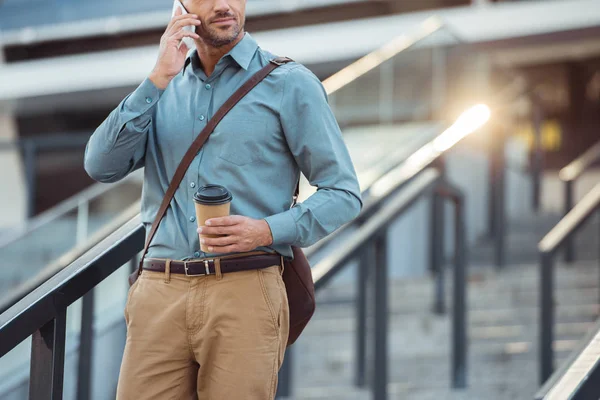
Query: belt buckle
206, 268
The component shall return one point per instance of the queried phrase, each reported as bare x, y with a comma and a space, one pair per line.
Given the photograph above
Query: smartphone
189, 42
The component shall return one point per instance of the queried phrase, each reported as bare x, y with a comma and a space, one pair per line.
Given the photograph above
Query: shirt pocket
242, 141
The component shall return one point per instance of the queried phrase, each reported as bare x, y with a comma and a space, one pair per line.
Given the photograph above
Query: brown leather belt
206, 266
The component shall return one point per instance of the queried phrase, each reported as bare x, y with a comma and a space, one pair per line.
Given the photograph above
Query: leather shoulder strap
296, 193
201, 139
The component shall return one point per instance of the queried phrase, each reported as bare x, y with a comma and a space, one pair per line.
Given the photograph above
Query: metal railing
80, 210
548, 247
30, 147
369, 245
569, 175
41, 313
579, 377
57, 265
77, 203
402, 185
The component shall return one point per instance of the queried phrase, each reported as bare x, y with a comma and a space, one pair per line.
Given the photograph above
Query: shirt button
197, 254
192, 185
201, 118
207, 86
192, 219
148, 100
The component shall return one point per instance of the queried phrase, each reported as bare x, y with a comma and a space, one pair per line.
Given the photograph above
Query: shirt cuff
283, 228
144, 97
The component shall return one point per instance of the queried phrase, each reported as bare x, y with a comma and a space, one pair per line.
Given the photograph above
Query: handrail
570, 222
466, 124
327, 268
45, 303
578, 377
47, 142
377, 57
30, 146
579, 165
66, 259
87, 195
569, 175
548, 247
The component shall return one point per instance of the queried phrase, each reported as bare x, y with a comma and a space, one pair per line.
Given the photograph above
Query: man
220, 336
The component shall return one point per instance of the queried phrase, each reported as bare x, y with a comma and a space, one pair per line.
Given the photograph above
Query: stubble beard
217, 38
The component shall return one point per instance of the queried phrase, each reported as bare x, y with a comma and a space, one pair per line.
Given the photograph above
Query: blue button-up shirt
283, 126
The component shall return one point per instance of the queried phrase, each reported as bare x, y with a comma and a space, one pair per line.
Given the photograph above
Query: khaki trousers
216, 337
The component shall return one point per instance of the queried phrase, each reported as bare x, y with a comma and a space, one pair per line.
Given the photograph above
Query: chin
222, 38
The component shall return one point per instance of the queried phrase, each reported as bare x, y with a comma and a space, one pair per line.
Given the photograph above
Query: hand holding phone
171, 55
188, 41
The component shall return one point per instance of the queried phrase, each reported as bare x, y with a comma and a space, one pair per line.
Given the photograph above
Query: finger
220, 241
178, 14
181, 34
216, 230
174, 25
180, 23
224, 221
224, 249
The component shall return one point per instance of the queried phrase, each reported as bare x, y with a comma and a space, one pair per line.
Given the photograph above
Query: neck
210, 56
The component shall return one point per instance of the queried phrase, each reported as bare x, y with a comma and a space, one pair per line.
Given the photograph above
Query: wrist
161, 81
267, 234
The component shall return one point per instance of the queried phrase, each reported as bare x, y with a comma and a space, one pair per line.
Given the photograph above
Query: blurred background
472, 272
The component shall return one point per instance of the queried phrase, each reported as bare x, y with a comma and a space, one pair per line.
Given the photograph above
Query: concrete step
502, 329
420, 374
523, 237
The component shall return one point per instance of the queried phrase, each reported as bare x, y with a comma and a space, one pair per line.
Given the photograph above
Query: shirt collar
242, 53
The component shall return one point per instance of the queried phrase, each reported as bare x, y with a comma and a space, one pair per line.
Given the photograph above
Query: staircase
503, 327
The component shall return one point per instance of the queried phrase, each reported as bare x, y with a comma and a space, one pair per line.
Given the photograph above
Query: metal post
29, 149
380, 377
284, 388
86, 336
569, 245
499, 202
493, 166
364, 263
437, 253
86, 344
546, 316
538, 156
436, 241
459, 310
48, 359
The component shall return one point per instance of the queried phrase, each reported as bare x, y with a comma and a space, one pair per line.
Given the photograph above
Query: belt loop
168, 270
282, 265
218, 273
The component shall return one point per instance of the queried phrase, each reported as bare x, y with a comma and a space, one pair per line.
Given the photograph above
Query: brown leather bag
297, 274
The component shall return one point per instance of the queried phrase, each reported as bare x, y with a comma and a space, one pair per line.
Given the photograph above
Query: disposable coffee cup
211, 201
